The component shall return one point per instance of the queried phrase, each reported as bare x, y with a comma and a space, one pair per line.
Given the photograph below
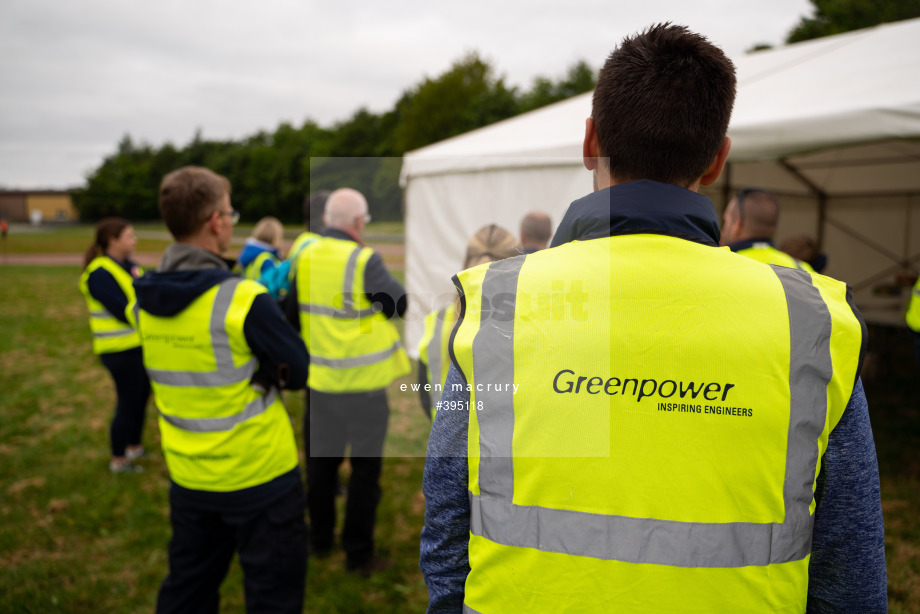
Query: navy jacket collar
335, 233
640, 207
737, 246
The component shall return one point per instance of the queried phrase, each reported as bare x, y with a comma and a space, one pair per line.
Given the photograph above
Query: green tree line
273, 172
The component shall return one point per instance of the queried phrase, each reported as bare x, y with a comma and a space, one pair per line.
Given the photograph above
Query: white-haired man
343, 301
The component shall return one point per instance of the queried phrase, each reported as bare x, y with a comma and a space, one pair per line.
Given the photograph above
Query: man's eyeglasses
366, 216
234, 215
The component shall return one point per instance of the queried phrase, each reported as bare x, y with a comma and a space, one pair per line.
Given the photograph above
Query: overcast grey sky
77, 75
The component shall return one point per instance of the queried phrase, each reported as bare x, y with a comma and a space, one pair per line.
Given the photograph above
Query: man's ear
718, 163
213, 222
589, 147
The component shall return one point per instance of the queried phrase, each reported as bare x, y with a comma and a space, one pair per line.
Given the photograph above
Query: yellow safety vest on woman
219, 432
647, 420
253, 270
433, 350
109, 333
352, 346
766, 253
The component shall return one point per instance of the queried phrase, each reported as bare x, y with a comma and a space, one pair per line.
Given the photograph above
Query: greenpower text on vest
567, 381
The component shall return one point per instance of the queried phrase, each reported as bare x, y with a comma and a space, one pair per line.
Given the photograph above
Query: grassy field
75, 538
69, 238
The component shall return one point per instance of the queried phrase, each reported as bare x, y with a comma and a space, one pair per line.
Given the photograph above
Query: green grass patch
75, 238
75, 538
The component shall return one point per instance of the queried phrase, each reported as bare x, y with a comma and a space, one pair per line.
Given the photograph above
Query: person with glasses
748, 227
344, 301
218, 350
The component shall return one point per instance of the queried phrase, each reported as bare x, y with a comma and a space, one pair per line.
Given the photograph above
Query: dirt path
393, 255
146, 259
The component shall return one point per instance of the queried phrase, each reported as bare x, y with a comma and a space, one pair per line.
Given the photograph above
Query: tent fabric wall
832, 126
448, 208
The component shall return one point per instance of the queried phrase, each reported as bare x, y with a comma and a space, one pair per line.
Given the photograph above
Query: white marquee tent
832, 126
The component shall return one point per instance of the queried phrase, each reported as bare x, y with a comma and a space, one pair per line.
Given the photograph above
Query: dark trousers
917, 344
332, 422
133, 389
272, 547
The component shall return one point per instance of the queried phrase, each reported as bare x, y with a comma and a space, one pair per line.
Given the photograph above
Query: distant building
40, 205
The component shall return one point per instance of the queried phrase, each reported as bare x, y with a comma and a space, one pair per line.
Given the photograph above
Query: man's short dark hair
662, 105
188, 196
537, 227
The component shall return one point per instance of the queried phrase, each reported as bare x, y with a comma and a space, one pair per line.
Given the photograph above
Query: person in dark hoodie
217, 349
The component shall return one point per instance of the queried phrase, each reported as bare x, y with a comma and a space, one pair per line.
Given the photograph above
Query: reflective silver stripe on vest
434, 357
493, 356
226, 373
468, 610
349, 282
639, 540
101, 314
124, 332
348, 310
226, 423
355, 361
644, 540
810, 370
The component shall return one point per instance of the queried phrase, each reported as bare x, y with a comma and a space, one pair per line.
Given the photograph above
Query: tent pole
910, 206
820, 194
892, 270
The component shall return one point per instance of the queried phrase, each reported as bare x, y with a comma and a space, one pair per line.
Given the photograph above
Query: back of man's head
188, 196
345, 209
536, 230
662, 105
759, 213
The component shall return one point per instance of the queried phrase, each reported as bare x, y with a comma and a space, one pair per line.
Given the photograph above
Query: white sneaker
125, 468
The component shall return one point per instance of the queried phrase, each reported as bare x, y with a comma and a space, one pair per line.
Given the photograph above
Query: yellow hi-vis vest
647, 420
766, 253
352, 346
219, 432
433, 349
303, 239
913, 309
109, 334
253, 270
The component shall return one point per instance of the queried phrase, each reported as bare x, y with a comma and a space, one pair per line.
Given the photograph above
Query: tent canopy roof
853, 88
